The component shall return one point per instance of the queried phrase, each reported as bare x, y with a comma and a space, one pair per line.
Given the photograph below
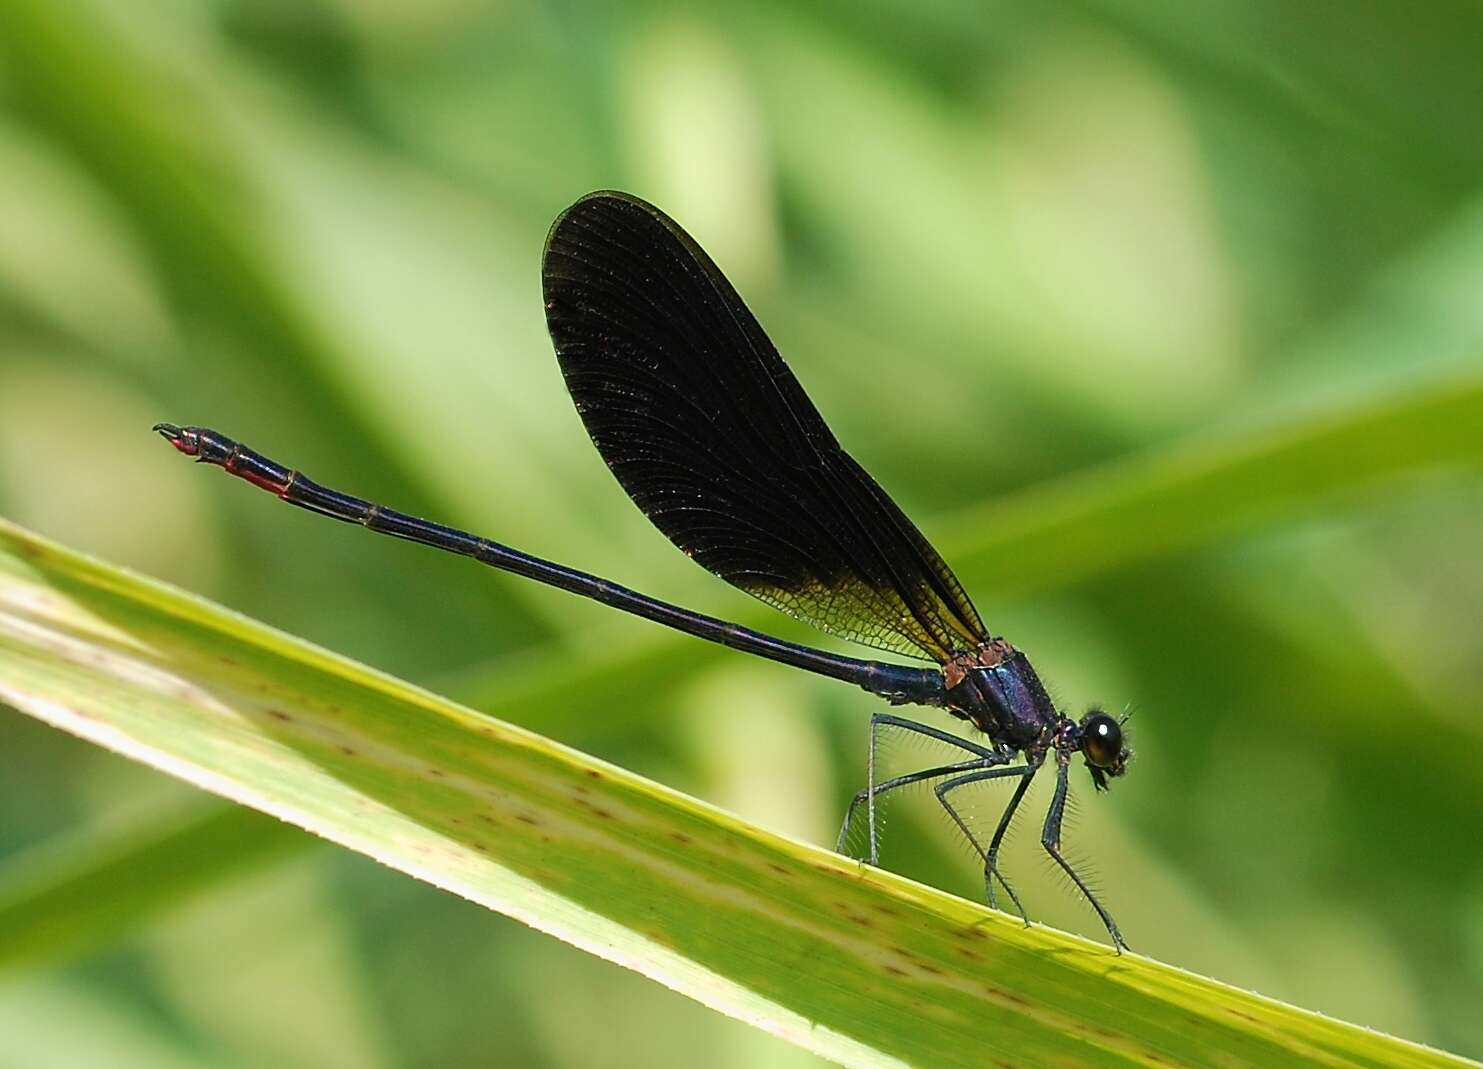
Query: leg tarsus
1050, 838
989, 857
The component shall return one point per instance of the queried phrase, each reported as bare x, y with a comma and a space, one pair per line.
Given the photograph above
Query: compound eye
1101, 740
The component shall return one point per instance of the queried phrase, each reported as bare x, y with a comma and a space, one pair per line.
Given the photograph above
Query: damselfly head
1104, 746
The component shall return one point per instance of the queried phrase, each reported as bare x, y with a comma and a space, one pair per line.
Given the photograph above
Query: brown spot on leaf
1006, 996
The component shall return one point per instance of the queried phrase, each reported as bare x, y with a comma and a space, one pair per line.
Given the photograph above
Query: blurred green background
999, 243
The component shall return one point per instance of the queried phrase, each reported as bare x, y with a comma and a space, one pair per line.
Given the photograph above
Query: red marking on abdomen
269, 484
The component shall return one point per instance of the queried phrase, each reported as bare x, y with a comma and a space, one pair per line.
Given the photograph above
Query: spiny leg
990, 857
862, 796
1050, 838
985, 757
991, 861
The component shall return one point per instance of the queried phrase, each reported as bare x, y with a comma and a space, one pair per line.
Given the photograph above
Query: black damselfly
714, 439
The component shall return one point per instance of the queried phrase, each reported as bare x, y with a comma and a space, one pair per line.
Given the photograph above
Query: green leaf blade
852, 963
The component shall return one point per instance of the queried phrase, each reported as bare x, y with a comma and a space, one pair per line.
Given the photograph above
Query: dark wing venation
714, 439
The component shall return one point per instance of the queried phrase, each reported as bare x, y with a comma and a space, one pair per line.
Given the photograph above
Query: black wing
714, 439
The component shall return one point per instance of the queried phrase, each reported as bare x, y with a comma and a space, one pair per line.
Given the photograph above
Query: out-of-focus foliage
1000, 244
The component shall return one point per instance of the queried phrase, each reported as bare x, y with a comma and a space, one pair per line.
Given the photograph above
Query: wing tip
597, 197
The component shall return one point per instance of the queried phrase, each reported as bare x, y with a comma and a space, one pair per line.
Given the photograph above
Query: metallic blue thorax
997, 690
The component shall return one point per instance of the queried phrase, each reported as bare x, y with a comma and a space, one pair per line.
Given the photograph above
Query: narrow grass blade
855, 964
